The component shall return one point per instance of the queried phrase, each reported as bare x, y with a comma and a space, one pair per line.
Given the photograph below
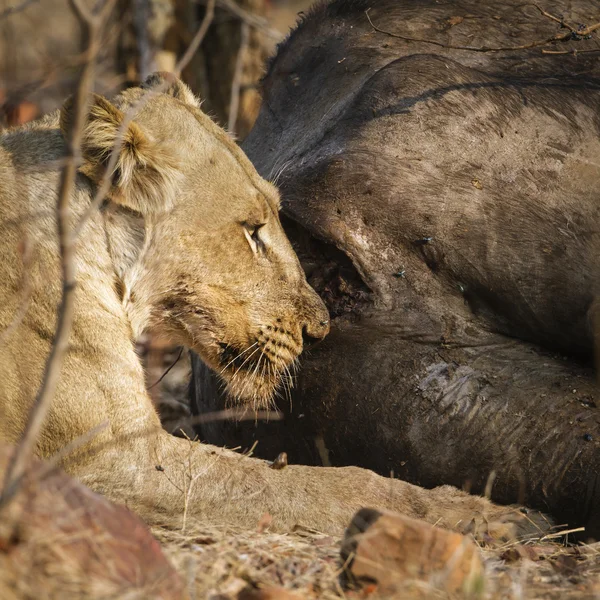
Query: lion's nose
315, 331
316, 318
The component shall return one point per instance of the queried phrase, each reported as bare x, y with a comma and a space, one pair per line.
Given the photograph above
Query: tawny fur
171, 249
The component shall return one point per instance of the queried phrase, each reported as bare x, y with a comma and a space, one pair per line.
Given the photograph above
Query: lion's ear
167, 83
144, 177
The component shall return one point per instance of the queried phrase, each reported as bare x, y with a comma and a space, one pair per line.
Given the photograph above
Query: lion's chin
249, 381
254, 390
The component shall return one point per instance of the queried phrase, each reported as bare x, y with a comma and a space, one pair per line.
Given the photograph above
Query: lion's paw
504, 523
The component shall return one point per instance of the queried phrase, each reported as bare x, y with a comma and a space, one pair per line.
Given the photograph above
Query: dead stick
236, 84
574, 52
253, 20
91, 26
197, 39
579, 32
558, 20
558, 37
26, 290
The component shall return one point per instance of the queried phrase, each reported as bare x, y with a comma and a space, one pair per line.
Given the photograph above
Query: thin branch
236, 84
578, 32
237, 414
51, 463
247, 17
558, 37
38, 472
91, 26
589, 30
574, 51
558, 20
209, 15
168, 370
104, 186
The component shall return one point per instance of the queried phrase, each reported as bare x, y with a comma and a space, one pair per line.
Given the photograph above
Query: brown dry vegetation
218, 563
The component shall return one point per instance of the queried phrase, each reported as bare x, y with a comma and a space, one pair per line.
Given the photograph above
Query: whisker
254, 376
236, 357
249, 378
247, 359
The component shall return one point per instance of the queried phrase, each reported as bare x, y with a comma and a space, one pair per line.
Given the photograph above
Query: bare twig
91, 26
557, 37
574, 51
41, 470
209, 15
51, 463
558, 20
190, 480
236, 84
247, 17
168, 369
104, 186
236, 414
11, 10
580, 31
558, 534
588, 30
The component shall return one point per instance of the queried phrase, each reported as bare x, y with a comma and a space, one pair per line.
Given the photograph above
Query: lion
189, 243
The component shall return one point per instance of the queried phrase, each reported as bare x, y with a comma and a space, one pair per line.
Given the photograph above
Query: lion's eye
252, 235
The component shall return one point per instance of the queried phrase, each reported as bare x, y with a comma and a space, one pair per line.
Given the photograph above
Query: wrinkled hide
445, 205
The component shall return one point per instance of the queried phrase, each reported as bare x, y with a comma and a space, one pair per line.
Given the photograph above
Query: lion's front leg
173, 480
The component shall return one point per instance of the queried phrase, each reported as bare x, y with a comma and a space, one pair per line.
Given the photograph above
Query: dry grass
217, 563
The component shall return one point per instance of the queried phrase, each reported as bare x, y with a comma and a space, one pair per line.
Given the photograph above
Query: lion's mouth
253, 373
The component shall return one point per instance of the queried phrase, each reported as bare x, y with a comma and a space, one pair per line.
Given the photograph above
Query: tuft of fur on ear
145, 175
173, 86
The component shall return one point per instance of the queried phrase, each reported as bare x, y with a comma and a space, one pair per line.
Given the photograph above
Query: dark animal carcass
446, 205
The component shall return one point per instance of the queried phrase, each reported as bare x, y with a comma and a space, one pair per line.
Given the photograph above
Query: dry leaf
455, 20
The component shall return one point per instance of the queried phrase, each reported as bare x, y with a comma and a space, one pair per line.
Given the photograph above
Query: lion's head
194, 233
